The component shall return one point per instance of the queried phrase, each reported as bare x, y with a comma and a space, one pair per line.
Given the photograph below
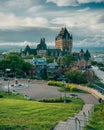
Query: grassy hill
96, 121
17, 113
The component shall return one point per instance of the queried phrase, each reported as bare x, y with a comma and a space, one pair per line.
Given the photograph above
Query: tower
64, 40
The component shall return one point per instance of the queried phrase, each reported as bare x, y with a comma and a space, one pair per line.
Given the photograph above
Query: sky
24, 22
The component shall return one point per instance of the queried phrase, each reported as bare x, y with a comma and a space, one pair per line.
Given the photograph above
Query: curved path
39, 89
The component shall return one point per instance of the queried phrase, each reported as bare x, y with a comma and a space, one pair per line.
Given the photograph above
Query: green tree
50, 59
3, 65
26, 67
28, 57
14, 62
68, 60
76, 76
38, 56
94, 63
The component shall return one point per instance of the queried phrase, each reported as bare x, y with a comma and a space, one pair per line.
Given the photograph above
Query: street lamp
16, 81
8, 85
28, 82
64, 86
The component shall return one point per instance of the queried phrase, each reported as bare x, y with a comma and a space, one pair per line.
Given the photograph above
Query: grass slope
97, 119
19, 114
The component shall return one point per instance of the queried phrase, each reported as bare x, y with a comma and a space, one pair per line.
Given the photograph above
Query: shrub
55, 100
1, 96
54, 83
90, 85
71, 87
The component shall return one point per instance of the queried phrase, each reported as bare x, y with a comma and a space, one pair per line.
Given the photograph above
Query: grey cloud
89, 1
101, 19
64, 2
35, 20
73, 2
28, 34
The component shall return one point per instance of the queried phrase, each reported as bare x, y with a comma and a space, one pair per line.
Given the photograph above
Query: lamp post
16, 81
64, 86
28, 82
8, 85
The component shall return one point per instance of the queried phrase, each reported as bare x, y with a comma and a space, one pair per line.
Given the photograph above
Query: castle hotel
63, 45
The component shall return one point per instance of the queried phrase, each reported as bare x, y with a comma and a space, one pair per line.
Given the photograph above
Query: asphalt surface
36, 89
99, 73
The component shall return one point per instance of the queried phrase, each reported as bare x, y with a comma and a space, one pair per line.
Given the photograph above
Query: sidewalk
94, 92
78, 121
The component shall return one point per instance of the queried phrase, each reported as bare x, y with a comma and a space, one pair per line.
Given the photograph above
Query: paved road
40, 89
99, 73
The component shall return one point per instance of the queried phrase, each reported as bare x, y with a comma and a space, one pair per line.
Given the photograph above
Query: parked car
15, 92
73, 95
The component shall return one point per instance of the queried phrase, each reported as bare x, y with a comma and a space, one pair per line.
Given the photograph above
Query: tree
28, 57
68, 60
14, 62
76, 76
38, 56
26, 67
49, 59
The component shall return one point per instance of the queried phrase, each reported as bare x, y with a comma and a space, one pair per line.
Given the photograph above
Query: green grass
19, 114
12, 96
97, 120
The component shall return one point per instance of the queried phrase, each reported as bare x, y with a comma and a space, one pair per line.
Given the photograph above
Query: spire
81, 51
42, 44
88, 53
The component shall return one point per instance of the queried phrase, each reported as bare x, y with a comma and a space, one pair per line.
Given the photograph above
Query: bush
1, 96
90, 85
55, 100
71, 87
55, 83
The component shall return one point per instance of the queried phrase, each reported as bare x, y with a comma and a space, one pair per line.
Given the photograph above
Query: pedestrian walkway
94, 92
78, 121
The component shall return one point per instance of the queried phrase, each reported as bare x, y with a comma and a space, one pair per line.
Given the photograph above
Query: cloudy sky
26, 21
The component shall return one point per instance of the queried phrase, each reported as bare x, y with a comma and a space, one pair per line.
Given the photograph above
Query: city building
63, 45
64, 40
52, 70
83, 59
40, 65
